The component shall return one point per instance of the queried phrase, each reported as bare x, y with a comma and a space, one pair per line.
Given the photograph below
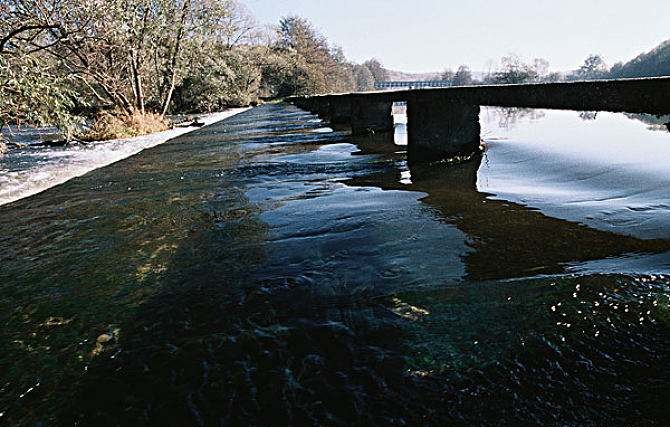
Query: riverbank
30, 170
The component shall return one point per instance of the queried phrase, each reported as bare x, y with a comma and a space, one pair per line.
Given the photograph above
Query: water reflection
660, 123
608, 173
510, 117
508, 239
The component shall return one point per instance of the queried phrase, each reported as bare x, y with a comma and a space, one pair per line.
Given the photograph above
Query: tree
463, 76
514, 71
553, 77
447, 76
33, 90
319, 68
341, 76
364, 79
378, 71
139, 56
221, 78
130, 54
654, 63
284, 74
617, 70
540, 67
32, 93
594, 67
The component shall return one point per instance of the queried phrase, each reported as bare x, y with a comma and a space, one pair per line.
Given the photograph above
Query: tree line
61, 60
513, 70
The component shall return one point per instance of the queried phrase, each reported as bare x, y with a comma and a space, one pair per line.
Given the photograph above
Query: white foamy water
30, 170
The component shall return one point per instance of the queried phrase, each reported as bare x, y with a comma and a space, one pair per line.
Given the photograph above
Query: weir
443, 123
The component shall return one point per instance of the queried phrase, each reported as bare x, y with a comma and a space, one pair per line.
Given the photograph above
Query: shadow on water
265, 271
507, 239
78, 261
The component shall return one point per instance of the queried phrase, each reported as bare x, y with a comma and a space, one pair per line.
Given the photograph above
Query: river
32, 168
271, 270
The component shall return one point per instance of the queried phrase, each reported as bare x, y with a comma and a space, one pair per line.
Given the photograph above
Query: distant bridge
419, 84
443, 123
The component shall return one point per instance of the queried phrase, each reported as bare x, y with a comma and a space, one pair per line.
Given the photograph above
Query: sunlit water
33, 168
608, 172
270, 270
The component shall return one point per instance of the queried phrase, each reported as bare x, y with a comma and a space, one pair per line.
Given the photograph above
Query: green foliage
222, 78
33, 93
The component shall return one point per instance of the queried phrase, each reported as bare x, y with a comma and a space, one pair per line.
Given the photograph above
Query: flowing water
32, 167
270, 270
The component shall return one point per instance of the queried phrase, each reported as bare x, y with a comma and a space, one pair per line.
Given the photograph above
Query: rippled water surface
32, 168
270, 270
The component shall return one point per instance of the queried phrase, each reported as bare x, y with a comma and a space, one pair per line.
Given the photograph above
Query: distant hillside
651, 64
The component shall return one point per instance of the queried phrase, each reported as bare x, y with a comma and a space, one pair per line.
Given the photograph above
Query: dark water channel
269, 271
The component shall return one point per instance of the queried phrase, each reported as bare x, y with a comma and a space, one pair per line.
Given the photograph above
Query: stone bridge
443, 123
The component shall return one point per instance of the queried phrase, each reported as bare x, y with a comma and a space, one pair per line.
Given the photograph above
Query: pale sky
431, 35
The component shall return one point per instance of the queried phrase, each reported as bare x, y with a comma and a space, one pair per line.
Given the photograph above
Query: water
269, 270
32, 168
616, 165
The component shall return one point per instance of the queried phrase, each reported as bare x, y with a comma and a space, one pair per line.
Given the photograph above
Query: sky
432, 35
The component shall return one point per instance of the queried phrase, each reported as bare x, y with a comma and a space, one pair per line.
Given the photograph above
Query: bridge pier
300, 103
306, 104
322, 109
340, 110
370, 115
441, 128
